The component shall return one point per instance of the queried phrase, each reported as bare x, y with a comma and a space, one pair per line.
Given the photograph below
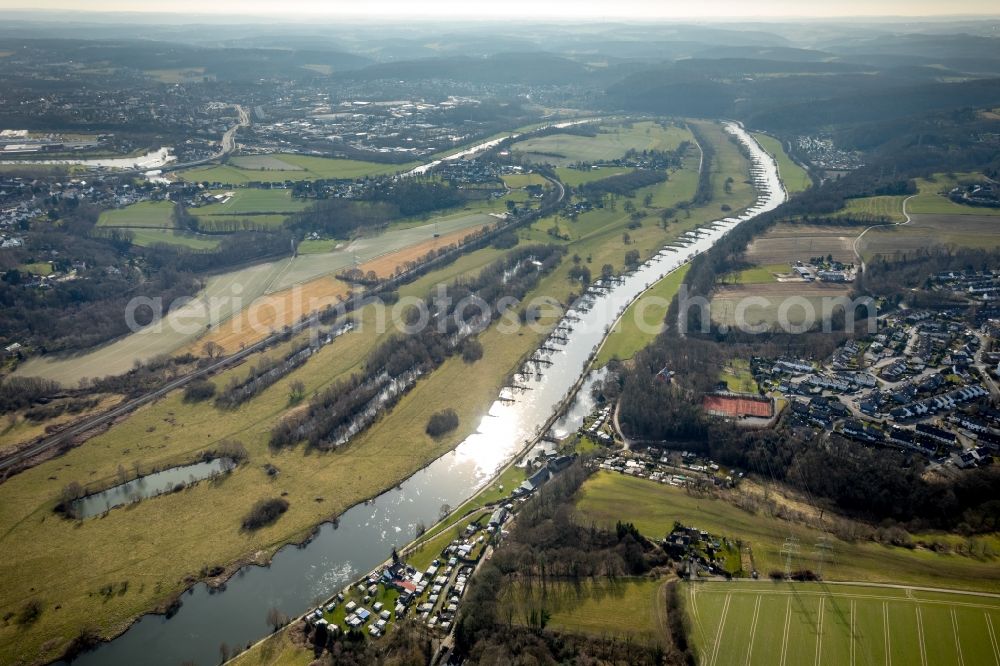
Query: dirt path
857, 252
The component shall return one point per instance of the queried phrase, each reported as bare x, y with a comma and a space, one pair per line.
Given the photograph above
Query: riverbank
267, 646
159, 563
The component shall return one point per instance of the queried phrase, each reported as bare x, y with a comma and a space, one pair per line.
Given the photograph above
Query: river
299, 577
153, 159
492, 143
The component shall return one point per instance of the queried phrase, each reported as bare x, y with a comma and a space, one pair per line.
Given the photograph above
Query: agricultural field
622, 609
252, 208
387, 264
608, 497
795, 178
142, 215
190, 240
783, 303
228, 292
925, 231
282, 167
610, 143
366, 248
785, 243
642, 321
271, 312
816, 623
576, 177
874, 208
931, 200
263, 163
521, 180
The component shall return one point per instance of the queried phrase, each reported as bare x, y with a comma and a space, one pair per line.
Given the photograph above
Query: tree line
503, 617
332, 414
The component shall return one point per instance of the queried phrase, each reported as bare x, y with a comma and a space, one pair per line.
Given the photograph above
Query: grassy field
931, 200
576, 177
230, 291
642, 321
282, 167
280, 649
795, 178
759, 274
319, 246
37, 268
247, 200
622, 609
146, 237
142, 215
738, 377
608, 497
610, 143
593, 237
518, 180
809, 623
17, 429
873, 208
263, 163
254, 207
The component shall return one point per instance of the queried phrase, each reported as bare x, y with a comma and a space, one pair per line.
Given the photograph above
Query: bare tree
212, 349
276, 619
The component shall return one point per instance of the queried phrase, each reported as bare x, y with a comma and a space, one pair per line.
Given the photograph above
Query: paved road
228, 143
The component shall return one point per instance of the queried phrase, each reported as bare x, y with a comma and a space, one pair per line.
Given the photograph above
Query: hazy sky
528, 9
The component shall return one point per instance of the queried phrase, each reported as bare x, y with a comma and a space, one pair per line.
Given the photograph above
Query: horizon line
65, 15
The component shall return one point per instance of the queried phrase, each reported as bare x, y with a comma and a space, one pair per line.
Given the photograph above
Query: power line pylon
823, 552
789, 550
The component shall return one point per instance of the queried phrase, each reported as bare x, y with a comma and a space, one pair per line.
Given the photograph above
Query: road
861, 583
227, 146
857, 252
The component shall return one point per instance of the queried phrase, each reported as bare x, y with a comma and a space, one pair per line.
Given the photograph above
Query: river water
299, 577
148, 486
492, 143
153, 159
